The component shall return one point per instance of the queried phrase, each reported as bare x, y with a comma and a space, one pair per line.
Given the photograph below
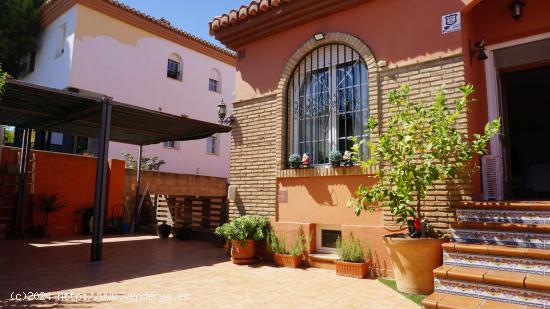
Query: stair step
494, 277
524, 239
504, 216
322, 260
501, 226
447, 301
505, 205
518, 252
499, 293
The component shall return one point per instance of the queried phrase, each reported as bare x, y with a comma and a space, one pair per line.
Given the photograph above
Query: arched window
173, 69
215, 81
327, 102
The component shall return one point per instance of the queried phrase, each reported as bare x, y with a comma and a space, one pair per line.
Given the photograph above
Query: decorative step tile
512, 264
518, 296
505, 238
503, 216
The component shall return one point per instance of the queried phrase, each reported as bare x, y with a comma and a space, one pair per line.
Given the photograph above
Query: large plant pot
285, 260
243, 254
164, 230
413, 261
354, 270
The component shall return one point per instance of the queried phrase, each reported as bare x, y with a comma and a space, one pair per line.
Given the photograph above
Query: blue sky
190, 15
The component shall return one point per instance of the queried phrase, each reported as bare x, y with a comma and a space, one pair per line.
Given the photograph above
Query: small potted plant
243, 232
164, 230
295, 160
335, 158
48, 205
353, 262
283, 257
347, 158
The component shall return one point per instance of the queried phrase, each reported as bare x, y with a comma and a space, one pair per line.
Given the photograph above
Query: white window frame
166, 145
319, 234
332, 137
216, 145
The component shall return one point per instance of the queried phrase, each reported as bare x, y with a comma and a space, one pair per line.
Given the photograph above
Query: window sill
323, 171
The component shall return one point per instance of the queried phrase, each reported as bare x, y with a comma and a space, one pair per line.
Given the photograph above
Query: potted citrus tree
283, 257
243, 232
420, 144
353, 261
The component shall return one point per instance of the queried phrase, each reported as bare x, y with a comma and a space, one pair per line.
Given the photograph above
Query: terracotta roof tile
159, 21
244, 13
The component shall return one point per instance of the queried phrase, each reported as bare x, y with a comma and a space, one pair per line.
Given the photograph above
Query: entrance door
526, 117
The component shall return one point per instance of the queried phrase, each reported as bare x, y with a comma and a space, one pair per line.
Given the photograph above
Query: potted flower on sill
243, 232
286, 258
419, 146
294, 160
353, 262
335, 158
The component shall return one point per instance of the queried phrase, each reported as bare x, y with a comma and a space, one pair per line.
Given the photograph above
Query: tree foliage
147, 164
19, 29
419, 145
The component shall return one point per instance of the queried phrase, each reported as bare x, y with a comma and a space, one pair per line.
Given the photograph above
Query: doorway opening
526, 121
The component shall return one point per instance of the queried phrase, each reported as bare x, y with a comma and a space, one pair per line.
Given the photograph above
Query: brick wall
173, 184
258, 141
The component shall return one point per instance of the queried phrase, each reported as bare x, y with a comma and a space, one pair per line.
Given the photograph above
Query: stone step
503, 216
448, 301
495, 285
500, 226
505, 205
518, 252
322, 260
516, 238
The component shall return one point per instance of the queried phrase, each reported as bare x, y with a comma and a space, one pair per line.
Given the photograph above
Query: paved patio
145, 271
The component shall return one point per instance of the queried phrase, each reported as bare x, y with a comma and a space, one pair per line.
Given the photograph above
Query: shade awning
31, 106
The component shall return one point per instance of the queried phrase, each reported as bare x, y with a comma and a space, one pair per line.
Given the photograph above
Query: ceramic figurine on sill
306, 160
346, 159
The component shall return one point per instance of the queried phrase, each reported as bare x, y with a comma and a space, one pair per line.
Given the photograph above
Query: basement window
327, 236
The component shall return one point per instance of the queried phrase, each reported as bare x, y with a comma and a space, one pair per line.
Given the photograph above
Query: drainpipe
138, 187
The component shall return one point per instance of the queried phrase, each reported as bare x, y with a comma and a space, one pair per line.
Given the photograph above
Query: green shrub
335, 156
351, 250
277, 244
245, 228
295, 160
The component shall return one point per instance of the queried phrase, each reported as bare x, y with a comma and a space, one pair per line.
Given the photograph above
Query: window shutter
492, 177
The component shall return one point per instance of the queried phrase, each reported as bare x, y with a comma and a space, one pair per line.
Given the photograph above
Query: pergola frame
30, 106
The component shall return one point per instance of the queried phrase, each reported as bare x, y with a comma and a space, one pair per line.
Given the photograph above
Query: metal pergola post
101, 180
138, 187
22, 182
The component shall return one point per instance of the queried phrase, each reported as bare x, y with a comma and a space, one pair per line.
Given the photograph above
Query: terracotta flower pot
354, 270
285, 260
413, 261
243, 255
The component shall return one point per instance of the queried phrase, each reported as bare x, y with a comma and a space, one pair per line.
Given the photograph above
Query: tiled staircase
499, 257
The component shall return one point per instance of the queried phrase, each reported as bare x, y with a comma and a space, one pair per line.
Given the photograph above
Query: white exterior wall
49, 70
116, 59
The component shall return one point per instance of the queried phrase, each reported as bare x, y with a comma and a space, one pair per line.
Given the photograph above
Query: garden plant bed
286, 260
354, 270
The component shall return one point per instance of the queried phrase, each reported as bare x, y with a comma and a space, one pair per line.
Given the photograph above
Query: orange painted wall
72, 177
492, 21
322, 200
396, 31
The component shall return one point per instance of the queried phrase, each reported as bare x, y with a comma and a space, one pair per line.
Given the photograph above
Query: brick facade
258, 146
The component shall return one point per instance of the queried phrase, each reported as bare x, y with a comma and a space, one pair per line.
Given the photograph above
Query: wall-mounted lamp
479, 50
516, 7
319, 36
222, 111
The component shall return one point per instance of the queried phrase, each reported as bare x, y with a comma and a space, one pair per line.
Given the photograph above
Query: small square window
173, 70
170, 144
213, 85
212, 145
329, 237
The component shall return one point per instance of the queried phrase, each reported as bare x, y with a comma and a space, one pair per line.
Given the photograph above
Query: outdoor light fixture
222, 111
479, 50
516, 7
319, 36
